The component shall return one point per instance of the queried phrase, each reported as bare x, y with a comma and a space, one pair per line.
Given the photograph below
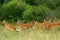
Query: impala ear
50, 20
44, 20
3, 21
18, 22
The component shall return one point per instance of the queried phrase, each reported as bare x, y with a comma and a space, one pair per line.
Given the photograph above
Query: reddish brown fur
24, 26
9, 26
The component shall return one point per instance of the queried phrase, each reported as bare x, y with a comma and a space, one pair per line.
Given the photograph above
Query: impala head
3, 21
47, 20
18, 22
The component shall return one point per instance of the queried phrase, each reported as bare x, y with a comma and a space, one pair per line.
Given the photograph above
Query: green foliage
13, 10
1, 2
49, 3
57, 12
32, 2
52, 3
27, 14
36, 13
4, 1
28, 10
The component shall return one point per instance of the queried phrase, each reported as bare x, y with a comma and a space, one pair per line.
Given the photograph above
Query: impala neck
4, 23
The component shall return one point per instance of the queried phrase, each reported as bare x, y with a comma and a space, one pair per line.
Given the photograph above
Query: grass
32, 35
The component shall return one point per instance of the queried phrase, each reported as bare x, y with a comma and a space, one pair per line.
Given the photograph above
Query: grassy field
32, 35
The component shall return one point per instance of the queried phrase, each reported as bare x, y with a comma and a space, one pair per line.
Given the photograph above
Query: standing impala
24, 26
9, 26
50, 24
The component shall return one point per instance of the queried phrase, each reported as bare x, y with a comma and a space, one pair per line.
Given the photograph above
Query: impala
9, 26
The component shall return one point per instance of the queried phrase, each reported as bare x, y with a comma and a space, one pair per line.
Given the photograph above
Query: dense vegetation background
29, 10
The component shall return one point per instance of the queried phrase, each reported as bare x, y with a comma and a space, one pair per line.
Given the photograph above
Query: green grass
32, 35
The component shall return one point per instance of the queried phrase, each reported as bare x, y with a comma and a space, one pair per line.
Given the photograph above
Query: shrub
13, 10
57, 12
36, 13
49, 3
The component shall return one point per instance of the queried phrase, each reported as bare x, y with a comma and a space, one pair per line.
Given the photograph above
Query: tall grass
31, 35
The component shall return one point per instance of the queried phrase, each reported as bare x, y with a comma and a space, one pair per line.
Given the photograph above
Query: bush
57, 12
36, 13
49, 3
13, 10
